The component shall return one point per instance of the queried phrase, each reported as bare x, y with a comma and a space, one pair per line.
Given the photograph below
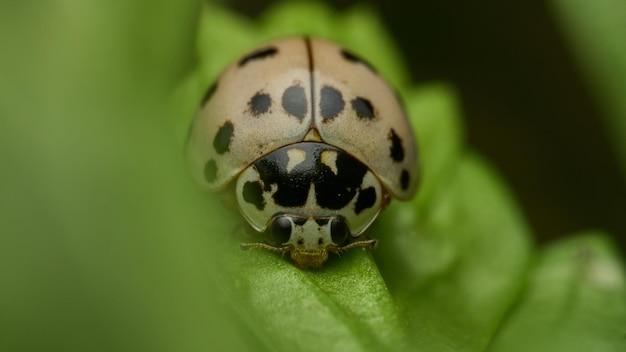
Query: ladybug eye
281, 229
339, 231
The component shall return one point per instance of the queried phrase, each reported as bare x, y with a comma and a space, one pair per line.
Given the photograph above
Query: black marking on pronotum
210, 171
404, 179
332, 191
331, 102
336, 191
259, 54
260, 103
294, 101
397, 150
363, 108
253, 194
356, 59
208, 94
365, 200
222, 139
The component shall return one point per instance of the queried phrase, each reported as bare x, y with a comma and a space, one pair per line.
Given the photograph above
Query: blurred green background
106, 245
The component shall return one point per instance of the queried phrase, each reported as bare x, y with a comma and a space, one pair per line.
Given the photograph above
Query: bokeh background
526, 98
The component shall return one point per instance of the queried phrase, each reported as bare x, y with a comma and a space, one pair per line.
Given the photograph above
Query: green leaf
596, 31
456, 266
346, 306
575, 300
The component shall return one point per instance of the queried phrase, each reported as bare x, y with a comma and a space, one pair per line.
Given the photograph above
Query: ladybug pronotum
311, 140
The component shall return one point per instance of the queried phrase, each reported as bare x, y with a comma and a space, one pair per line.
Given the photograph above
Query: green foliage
107, 245
574, 300
596, 31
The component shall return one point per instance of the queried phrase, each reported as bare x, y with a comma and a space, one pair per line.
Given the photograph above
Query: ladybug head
308, 240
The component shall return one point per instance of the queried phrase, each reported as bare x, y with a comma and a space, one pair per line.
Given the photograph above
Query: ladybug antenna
366, 244
246, 246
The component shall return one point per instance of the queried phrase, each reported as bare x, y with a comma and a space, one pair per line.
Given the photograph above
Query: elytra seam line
309, 52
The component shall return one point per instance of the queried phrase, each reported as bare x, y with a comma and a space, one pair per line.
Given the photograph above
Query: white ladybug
312, 141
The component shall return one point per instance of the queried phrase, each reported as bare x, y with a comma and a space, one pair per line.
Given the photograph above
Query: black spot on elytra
363, 108
332, 191
253, 194
404, 179
294, 101
208, 94
366, 199
210, 171
257, 55
260, 103
357, 60
397, 150
331, 102
222, 139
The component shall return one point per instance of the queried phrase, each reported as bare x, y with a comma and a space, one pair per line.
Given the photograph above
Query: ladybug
312, 142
